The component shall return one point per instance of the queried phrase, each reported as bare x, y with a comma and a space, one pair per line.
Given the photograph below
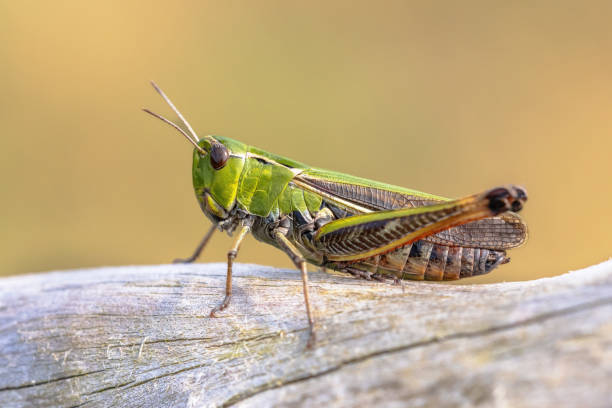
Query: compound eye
218, 156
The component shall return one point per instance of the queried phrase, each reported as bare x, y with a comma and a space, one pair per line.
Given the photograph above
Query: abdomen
424, 260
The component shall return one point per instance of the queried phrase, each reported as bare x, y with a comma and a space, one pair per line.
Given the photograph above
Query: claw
312, 339
222, 306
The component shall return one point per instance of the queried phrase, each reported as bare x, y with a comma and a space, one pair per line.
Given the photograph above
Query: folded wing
361, 196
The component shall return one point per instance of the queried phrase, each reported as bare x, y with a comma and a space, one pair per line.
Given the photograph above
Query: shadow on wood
141, 336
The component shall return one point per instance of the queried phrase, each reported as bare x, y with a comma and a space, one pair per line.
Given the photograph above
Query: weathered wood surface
140, 336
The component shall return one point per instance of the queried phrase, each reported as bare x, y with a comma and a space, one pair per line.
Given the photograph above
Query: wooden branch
141, 336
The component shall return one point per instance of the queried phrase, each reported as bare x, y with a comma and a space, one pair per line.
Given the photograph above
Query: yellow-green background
447, 97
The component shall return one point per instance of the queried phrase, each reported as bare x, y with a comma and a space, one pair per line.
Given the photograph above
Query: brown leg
300, 262
200, 247
231, 255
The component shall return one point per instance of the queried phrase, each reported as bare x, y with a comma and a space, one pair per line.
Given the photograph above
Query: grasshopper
369, 229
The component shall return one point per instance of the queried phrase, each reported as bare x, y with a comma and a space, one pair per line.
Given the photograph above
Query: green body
271, 189
259, 182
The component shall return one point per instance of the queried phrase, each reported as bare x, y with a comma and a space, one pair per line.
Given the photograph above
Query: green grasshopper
337, 221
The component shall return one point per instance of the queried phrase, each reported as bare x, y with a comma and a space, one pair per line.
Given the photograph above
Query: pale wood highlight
141, 336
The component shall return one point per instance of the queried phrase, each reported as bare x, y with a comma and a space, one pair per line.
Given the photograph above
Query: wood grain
141, 336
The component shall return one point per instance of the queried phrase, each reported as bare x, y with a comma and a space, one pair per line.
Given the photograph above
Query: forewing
366, 235
361, 196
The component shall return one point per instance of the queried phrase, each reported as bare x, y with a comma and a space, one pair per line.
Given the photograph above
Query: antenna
177, 127
169, 102
192, 137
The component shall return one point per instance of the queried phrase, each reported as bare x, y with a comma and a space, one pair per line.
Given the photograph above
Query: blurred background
446, 97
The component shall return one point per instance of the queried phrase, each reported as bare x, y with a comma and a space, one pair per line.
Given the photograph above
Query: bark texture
141, 336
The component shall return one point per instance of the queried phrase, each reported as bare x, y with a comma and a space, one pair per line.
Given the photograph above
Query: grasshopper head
216, 173
215, 168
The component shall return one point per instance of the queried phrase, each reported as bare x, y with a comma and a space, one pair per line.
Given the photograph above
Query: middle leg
300, 262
